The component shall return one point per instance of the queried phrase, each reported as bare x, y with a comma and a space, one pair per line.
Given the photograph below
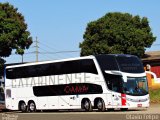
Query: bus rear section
62, 84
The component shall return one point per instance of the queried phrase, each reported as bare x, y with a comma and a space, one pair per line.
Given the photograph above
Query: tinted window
114, 82
136, 86
124, 63
130, 64
67, 89
107, 62
67, 67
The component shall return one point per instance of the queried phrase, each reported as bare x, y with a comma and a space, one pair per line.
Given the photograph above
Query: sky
59, 25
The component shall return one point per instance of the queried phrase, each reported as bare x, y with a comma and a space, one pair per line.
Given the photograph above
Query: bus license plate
139, 105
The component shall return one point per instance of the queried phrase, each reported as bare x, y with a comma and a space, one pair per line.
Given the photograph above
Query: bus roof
45, 62
63, 60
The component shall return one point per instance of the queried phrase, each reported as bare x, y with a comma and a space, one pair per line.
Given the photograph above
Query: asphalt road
152, 113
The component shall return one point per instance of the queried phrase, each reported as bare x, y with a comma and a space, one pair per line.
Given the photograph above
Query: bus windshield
129, 64
123, 63
136, 86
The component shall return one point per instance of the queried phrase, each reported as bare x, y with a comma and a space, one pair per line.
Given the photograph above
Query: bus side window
116, 85
114, 82
8, 93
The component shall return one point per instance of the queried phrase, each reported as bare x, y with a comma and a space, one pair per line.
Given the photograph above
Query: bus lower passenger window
114, 82
8, 93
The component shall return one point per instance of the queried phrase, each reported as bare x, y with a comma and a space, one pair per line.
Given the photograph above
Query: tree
13, 31
117, 33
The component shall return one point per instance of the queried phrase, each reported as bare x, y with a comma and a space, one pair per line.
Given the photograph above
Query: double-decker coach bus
92, 82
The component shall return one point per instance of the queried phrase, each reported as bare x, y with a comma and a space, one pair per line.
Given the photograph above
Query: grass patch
154, 95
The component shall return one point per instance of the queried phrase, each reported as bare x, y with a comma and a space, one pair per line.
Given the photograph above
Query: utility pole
36, 49
22, 58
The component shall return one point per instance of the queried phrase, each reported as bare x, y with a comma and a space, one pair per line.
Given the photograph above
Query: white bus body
93, 82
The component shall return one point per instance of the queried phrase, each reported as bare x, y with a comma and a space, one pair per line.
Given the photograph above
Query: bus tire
22, 106
100, 105
31, 106
87, 105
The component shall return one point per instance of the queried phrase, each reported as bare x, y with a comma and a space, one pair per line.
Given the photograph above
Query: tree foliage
13, 31
117, 33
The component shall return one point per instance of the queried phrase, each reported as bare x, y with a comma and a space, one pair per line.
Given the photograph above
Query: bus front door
116, 99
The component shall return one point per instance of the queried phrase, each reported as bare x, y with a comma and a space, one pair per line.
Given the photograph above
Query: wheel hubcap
32, 106
23, 106
99, 104
86, 105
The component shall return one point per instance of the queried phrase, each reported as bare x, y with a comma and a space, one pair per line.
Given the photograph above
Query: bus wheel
101, 105
87, 105
31, 106
22, 107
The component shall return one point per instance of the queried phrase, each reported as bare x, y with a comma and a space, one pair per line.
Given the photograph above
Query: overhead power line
60, 52
52, 48
40, 50
57, 52
46, 45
